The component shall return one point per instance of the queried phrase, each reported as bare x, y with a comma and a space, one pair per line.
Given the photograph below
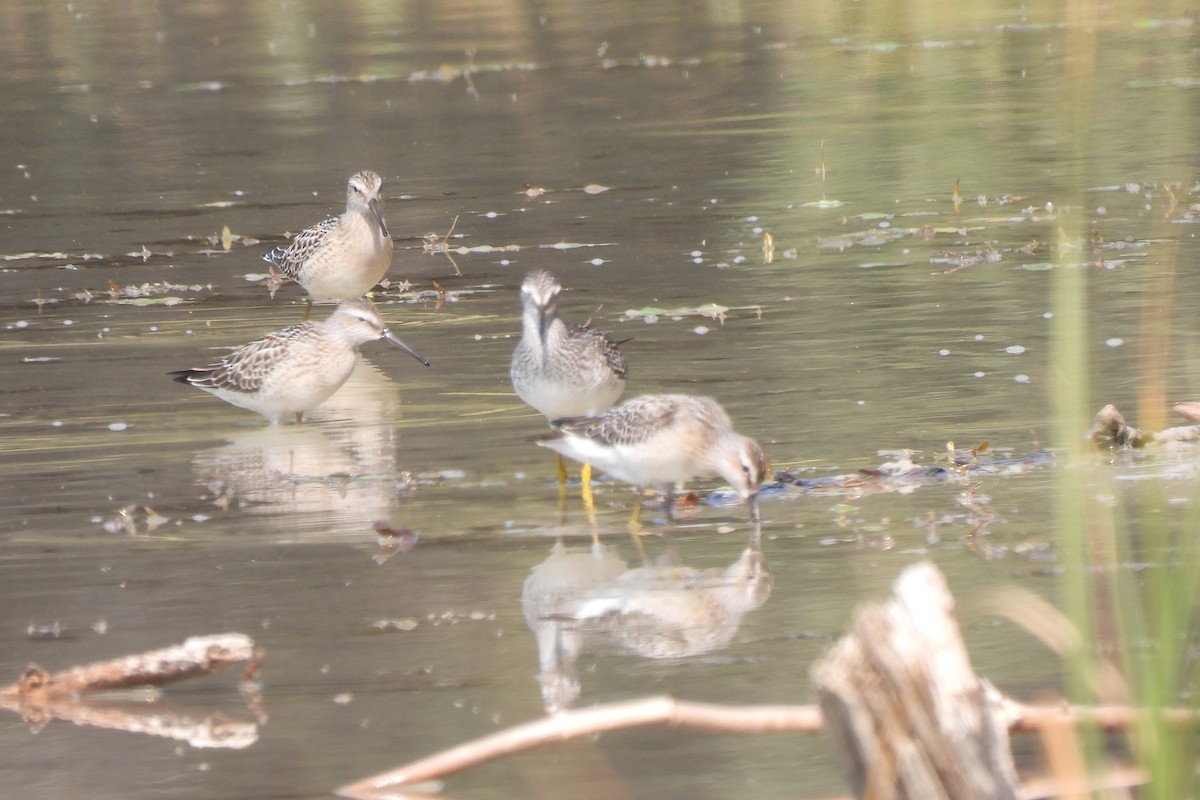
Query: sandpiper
296, 368
342, 257
563, 371
659, 440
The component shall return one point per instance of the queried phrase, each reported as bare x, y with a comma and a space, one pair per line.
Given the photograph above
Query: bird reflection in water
582, 599
343, 461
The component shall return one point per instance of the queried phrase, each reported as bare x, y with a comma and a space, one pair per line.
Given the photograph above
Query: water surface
642, 152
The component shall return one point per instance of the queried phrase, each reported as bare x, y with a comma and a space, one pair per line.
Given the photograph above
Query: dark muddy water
760, 194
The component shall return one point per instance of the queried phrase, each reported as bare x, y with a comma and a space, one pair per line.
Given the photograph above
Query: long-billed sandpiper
296, 368
659, 440
563, 370
344, 256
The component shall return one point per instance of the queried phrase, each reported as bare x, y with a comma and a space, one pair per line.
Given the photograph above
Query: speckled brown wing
630, 423
613, 358
244, 369
290, 258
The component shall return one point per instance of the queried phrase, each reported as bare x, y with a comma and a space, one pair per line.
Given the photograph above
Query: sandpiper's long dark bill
394, 340
342, 257
376, 206
659, 440
295, 369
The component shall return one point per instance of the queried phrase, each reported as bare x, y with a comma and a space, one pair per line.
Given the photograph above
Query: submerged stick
199, 655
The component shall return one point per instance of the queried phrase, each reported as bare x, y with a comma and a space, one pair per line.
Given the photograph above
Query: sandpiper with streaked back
342, 257
561, 370
296, 368
659, 440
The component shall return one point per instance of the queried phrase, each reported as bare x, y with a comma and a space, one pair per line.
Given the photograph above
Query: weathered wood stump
906, 713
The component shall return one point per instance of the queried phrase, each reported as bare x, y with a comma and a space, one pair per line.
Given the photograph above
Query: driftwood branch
40, 696
588, 722
199, 655
1020, 718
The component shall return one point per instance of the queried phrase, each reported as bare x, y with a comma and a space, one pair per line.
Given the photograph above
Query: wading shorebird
296, 368
342, 257
659, 440
563, 371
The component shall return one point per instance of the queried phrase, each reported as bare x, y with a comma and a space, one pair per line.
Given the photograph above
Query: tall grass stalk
1157, 574
1069, 356
1131, 559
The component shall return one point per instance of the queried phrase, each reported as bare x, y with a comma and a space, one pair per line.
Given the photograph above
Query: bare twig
199, 655
39, 696
588, 722
441, 244
1020, 718
1024, 718
466, 73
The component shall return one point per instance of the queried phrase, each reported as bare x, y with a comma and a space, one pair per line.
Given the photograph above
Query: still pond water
793, 164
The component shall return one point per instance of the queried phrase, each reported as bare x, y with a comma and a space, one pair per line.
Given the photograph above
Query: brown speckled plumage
344, 256
659, 440
296, 368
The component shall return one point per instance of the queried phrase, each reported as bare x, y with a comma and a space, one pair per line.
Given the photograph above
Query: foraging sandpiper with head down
562, 371
295, 369
342, 257
659, 440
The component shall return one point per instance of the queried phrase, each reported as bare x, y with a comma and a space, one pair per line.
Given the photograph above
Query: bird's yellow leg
562, 469
585, 488
637, 514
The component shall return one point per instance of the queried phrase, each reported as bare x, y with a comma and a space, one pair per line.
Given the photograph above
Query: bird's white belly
348, 267
647, 464
297, 384
555, 401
